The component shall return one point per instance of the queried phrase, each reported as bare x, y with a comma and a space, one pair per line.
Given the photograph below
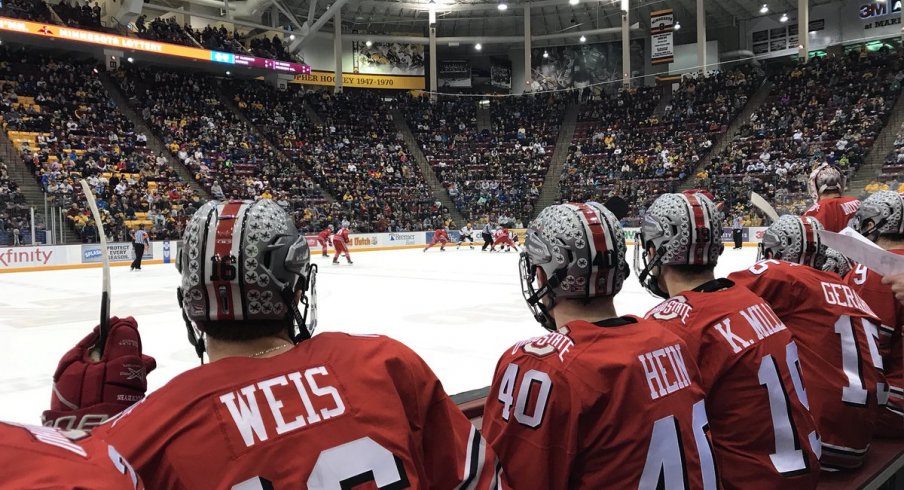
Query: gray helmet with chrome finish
794, 239
245, 261
882, 213
574, 250
682, 229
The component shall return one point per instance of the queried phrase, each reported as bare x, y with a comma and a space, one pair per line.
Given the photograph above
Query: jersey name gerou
882, 300
834, 212
616, 404
837, 339
44, 457
762, 431
337, 409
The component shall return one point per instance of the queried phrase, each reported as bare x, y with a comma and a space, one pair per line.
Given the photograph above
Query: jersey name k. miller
756, 400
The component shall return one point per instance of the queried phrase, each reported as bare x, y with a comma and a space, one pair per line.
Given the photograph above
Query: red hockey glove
87, 391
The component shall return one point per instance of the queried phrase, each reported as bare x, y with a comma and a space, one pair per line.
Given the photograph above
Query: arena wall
60, 257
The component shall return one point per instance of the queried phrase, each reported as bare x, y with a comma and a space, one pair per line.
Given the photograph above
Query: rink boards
59, 257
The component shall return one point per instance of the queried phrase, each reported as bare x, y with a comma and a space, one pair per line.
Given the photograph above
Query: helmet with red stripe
574, 251
682, 229
244, 261
794, 239
882, 213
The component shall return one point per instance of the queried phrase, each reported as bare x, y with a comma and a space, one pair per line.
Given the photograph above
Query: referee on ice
737, 231
141, 239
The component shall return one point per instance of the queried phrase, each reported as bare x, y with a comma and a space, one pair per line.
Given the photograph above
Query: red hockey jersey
325, 233
337, 409
440, 234
834, 212
615, 404
837, 339
762, 431
43, 457
890, 311
342, 236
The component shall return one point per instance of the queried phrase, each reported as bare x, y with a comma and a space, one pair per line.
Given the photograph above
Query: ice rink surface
458, 309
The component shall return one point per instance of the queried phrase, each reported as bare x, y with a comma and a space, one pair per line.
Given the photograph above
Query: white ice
458, 309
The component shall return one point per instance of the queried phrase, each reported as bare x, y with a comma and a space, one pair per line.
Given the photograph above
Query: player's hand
897, 285
88, 390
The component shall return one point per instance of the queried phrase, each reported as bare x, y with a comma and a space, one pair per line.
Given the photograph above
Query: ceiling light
545, 54
784, 18
291, 37
130, 59
677, 25
573, 2
502, 7
478, 46
368, 43
583, 39
764, 9
228, 73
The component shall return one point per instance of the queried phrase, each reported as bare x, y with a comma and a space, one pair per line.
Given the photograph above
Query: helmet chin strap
649, 281
197, 341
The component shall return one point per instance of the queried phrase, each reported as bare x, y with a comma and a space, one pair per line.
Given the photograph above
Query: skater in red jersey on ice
440, 236
340, 243
323, 238
503, 238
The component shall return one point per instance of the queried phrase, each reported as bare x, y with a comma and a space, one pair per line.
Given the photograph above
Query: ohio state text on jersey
616, 404
761, 428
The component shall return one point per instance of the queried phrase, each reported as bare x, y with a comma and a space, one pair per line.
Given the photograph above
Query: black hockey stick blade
618, 206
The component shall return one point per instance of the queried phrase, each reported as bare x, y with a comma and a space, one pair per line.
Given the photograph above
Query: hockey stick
761, 204
105, 259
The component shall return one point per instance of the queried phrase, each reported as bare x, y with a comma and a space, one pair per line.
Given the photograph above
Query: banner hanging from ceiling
388, 59
662, 27
500, 73
454, 73
580, 66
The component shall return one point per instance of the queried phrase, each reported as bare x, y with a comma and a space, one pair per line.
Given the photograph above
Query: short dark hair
242, 330
692, 270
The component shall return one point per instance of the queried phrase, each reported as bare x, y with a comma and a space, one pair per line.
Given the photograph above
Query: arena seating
14, 213
892, 169
491, 173
221, 151
620, 137
214, 38
59, 117
830, 109
32, 10
86, 16
356, 154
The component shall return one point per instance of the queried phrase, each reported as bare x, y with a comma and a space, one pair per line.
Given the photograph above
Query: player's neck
831, 195
888, 244
677, 282
257, 348
594, 310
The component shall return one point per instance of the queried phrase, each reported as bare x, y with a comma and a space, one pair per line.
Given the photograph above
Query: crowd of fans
356, 153
213, 38
892, 176
67, 129
497, 171
15, 228
222, 152
86, 16
33, 10
828, 110
621, 137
